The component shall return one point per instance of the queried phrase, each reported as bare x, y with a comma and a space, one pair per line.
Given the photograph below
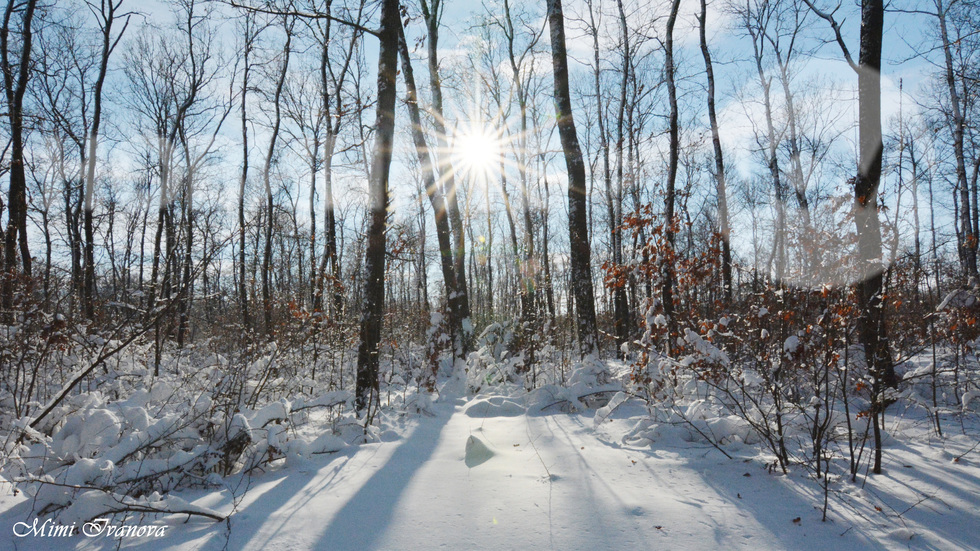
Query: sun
477, 151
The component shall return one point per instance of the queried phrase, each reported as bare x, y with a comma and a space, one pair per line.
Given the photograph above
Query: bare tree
871, 322
332, 86
756, 19
957, 121
250, 30
61, 98
667, 267
167, 78
720, 186
15, 82
613, 192
372, 309
288, 24
521, 65
578, 229
432, 11
106, 15
432, 188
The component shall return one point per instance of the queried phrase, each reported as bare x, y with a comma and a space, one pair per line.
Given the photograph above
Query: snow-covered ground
483, 474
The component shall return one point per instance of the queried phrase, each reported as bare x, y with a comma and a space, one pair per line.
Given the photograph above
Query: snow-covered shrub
153, 443
139, 436
956, 324
590, 372
31, 345
776, 370
492, 363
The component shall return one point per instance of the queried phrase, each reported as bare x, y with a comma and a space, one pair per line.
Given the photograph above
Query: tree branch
829, 17
304, 15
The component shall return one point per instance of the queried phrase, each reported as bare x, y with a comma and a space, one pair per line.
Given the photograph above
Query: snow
791, 345
497, 406
88, 471
968, 397
579, 462
958, 298
326, 443
507, 479
605, 411
276, 411
477, 452
704, 350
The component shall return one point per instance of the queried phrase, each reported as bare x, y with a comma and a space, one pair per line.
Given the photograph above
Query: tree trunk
968, 240
620, 304
16, 233
578, 231
432, 12
432, 189
757, 29
720, 187
871, 323
270, 205
667, 269
250, 36
88, 289
331, 252
527, 277
372, 308
184, 304
330, 229
155, 290
549, 288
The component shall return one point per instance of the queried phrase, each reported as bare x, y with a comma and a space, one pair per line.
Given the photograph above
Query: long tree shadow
289, 495
787, 515
365, 518
283, 492
289, 492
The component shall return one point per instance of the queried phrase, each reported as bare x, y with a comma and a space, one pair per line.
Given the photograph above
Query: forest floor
484, 474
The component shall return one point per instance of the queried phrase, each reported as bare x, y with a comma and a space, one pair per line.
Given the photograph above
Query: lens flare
476, 152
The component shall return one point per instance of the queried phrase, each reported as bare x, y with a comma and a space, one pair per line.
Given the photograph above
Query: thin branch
134, 508
304, 15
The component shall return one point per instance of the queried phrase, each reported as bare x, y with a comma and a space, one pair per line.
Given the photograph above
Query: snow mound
477, 453
902, 534
327, 443
498, 406
274, 412
576, 397
84, 435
